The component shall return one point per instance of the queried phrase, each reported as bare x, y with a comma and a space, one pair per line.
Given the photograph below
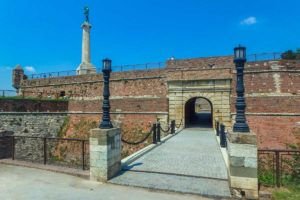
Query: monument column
86, 57
86, 67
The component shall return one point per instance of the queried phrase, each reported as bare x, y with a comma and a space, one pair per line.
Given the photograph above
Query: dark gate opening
198, 113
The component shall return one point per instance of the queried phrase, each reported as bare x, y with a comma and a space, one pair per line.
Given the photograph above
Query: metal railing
8, 93
278, 167
122, 68
263, 57
52, 74
67, 152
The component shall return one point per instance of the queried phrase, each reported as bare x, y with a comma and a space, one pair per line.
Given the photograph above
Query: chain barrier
139, 142
156, 128
166, 131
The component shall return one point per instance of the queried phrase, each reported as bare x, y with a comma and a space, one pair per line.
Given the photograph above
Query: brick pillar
242, 151
105, 153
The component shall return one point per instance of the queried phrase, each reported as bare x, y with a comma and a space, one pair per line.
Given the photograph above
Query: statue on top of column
86, 13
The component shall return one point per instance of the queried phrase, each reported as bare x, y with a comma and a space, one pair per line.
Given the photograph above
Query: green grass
64, 128
289, 193
266, 177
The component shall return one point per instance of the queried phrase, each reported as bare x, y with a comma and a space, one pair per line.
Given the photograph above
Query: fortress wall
121, 105
272, 91
28, 105
138, 83
273, 131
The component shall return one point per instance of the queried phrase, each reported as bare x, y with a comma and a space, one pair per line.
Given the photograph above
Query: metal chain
139, 142
165, 131
179, 124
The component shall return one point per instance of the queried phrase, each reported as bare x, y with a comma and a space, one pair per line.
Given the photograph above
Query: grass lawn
288, 193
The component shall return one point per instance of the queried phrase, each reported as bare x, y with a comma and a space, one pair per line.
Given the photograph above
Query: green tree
289, 55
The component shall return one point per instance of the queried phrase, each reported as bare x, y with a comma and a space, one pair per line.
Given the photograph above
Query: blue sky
45, 36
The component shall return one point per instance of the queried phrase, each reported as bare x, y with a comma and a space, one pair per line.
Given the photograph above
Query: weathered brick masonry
24, 105
272, 94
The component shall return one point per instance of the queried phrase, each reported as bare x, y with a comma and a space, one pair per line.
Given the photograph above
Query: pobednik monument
86, 67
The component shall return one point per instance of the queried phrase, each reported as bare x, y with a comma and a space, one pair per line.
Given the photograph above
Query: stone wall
31, 124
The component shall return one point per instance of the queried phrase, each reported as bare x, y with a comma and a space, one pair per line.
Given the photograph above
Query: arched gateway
198, 113
183, 97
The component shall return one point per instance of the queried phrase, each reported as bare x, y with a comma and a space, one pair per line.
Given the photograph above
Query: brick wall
122, 105
271, 87
27, 105
273, 131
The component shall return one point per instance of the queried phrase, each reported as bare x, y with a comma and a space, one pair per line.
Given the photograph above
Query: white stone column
86, 67
86, 57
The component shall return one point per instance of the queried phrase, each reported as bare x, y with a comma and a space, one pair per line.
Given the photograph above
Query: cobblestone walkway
190, 162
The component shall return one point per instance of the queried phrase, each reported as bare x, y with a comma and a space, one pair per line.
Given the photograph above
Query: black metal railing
67, 152
277, 167
263, 57
8, 93
52, 74
122, 68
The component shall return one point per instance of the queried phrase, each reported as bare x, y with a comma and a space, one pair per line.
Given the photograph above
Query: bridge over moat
189, 162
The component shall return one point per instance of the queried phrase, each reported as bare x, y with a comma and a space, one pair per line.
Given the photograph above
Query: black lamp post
106, 69
240, 124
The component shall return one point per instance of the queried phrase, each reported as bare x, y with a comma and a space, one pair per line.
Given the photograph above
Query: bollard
158, 131
154, 141
222, 136
172, 126
218, 128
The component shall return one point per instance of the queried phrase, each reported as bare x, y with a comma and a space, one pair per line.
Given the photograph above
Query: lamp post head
106, 64
240, 53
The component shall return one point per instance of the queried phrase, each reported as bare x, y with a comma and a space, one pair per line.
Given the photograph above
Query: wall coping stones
81, 112
242, 138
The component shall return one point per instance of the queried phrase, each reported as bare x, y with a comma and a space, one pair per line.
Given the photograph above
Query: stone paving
190, 162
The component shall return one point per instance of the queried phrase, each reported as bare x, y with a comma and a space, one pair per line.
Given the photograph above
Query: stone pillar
86, 67
242, 152
105, 153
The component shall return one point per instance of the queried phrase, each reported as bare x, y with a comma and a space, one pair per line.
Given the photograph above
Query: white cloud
30, 69
249, 21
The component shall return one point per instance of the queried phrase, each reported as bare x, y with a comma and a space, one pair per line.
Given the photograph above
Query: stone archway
216, 91
198, 113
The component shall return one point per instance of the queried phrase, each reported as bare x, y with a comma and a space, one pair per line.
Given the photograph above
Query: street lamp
106, 69
240, 124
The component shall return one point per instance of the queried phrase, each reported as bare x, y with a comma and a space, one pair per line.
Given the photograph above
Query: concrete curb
51, 168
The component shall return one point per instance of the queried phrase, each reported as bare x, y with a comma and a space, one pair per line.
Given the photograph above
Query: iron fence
121, 68
67, 152
263, 57
52, 74
277, 167
8, 93
147, 66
